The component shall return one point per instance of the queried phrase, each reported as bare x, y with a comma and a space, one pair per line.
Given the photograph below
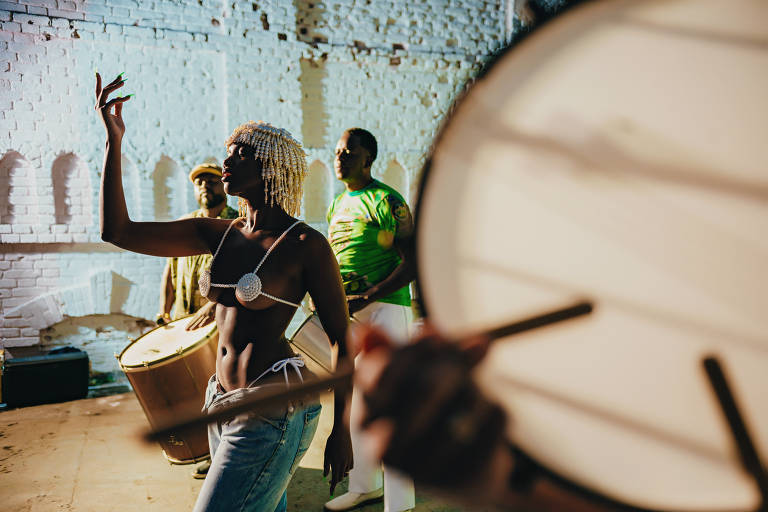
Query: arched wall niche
170, 190
317, 192
72, 190
18, 196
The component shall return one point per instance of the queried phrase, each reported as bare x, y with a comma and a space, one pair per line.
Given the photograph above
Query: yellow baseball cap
204, 169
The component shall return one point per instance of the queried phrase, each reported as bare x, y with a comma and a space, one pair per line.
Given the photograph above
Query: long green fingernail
95, 71
121, 73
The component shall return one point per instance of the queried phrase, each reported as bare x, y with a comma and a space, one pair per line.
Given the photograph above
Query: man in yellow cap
179, 295
179, 291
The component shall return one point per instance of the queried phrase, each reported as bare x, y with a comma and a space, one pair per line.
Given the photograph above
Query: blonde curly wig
284, 164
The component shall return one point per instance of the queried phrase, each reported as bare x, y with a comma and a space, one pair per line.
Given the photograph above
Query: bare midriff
249, 342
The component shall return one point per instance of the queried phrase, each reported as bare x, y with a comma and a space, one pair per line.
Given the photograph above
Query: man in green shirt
370, 231
179, 292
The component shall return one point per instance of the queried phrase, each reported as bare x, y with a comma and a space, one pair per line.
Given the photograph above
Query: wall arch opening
72, 190
18, 196
170, 190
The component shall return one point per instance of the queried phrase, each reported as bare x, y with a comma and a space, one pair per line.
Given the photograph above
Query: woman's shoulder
309, 235
313, 242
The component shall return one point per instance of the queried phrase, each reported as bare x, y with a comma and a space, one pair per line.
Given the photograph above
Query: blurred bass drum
618, 153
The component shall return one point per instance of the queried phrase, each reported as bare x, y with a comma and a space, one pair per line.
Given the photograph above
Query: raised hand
110, 111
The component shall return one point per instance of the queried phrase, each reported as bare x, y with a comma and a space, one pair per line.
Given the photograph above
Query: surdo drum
617, 153
310, 341
169, 368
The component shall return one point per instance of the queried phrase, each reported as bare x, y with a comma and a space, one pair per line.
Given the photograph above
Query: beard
211, 200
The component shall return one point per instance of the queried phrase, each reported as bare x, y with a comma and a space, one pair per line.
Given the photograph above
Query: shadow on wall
314, 126
18, 196
72, 190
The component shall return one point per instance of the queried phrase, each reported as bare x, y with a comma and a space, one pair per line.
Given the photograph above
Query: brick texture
197, 69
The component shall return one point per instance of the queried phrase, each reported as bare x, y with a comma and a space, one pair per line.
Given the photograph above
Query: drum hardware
750, 459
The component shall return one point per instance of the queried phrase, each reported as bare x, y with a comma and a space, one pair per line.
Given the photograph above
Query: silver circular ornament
204, 283
248, 287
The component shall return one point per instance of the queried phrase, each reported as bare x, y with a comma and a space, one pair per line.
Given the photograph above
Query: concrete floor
86, 455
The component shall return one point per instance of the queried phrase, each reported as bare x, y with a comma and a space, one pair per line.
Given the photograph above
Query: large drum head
165, 343
618, 153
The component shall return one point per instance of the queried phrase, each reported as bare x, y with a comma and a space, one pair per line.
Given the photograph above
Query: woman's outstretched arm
178, 238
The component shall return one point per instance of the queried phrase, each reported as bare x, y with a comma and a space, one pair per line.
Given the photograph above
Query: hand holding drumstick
426, 416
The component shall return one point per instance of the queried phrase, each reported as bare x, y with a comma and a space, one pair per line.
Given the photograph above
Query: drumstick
750, 460
270, 399
342, 378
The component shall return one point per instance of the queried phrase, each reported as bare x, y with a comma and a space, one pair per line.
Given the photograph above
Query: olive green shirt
185, 272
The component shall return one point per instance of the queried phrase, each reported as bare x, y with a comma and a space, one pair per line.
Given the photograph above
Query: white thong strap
294, 362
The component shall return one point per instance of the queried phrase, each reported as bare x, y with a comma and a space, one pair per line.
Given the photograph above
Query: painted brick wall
197, 70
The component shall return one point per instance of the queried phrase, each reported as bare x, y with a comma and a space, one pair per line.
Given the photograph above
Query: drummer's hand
425, 415
357, 302
113, 121
338, 455
203, 316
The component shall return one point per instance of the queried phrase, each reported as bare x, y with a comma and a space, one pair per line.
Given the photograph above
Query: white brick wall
197, 70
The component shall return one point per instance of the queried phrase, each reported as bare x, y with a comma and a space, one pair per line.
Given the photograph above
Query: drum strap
295, 363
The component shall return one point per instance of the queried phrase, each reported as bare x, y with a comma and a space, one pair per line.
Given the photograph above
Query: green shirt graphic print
362, 227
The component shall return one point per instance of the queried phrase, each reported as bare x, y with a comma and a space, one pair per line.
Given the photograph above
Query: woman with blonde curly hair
264, 262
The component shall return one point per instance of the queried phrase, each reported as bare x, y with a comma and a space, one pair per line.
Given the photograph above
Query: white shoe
350, 500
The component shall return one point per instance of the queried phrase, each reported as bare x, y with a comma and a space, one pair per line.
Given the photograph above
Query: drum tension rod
750, 459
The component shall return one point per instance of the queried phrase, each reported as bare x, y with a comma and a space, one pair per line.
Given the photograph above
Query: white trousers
368, 475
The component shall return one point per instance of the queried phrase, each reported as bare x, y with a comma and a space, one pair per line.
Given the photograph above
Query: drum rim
537, 470
165, 359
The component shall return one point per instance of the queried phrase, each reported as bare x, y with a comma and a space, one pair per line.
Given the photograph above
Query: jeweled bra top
249, 286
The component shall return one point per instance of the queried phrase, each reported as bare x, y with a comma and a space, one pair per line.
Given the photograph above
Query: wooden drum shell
175, 387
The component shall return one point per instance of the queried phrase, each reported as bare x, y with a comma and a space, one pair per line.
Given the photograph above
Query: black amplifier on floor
57, 376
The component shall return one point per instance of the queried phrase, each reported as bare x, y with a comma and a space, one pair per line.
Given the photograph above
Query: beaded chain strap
248, 287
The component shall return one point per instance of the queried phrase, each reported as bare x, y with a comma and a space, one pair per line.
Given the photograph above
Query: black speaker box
57, 376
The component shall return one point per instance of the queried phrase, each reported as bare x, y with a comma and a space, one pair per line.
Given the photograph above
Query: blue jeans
254, 456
